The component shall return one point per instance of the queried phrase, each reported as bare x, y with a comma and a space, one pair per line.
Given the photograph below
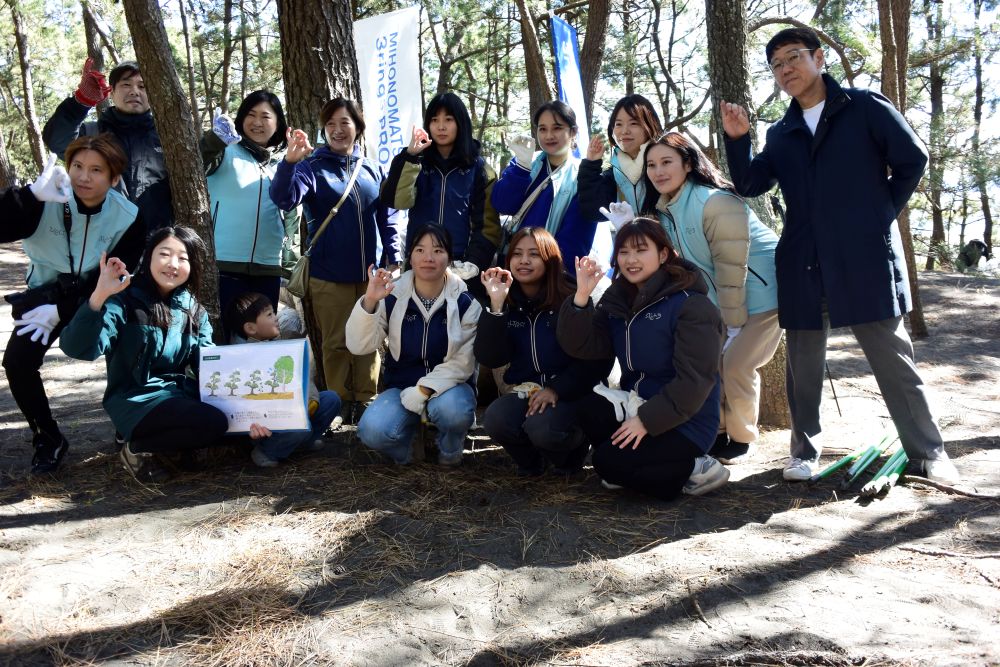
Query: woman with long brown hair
653, 434
536, 423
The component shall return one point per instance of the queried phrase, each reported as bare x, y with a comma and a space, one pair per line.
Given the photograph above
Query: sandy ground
339, 558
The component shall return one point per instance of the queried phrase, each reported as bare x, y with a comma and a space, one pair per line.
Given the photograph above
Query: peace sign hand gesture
419, 141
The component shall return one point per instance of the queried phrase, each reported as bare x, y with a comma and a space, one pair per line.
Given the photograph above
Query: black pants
552, 435
22, 360
179, 423
658, 467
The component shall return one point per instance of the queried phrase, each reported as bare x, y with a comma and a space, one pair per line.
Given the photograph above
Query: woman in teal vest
711, 226
65, 222
632, 126
251, 233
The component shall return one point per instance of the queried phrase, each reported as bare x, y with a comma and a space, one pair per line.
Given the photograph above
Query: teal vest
685, 228
89, 236
249, 228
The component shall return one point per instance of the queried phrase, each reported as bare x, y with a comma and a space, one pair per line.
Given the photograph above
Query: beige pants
354, 378
751, 349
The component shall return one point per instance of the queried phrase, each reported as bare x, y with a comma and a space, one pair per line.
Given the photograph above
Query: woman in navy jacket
552, 174
339, 262
441, 177
537, 423
667, 335
430, 320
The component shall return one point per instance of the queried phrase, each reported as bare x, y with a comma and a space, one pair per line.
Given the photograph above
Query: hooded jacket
348, 245
251, 233
668, 341
431, 349
524, 336
144, 181
843, 189
146, 365
449, 193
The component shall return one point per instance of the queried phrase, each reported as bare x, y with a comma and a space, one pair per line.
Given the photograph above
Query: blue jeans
388, 427
280, 445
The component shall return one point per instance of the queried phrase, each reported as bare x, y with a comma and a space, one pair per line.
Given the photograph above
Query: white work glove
731, 333
225, 128
413, 399
633, 404
465, 270
526, 389
617, 397
523, 148
53, 183
39, 322
618, 214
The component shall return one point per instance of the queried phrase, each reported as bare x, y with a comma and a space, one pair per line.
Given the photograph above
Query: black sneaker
731, 452
359, 411
143, 466
49, 452
119, 441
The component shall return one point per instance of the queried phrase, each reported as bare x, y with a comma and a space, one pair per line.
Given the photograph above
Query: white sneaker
799, 470
611, 487
708, 475
941, 470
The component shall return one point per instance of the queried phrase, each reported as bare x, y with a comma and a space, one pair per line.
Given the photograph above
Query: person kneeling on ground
430, 319
251, 317
653, 434
537, 423
150, 333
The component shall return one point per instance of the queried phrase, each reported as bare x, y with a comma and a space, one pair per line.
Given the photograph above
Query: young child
251, 318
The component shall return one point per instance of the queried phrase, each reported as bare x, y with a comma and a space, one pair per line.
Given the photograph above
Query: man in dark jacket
131, 122
847, 163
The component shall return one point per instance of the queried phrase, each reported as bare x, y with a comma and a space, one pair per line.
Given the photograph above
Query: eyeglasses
793, 58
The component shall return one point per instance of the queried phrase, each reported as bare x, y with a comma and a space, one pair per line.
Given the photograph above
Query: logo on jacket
57, 231
411, 317
652, 317
516, 324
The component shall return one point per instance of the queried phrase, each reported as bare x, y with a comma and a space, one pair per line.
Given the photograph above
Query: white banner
569, 79
388, 62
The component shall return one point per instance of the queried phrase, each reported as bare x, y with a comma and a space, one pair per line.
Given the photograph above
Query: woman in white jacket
430, 320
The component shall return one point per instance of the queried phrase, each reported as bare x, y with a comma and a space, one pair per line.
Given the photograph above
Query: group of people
624, 309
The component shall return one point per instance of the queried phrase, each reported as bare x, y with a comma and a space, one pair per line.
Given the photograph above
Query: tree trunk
319, 63
539, 87
178, 135
244, 52
24, 59
894, 30
189, 55
7, 176
227, 53
205, 80
980, 169
729, 74
592, 52
936, 157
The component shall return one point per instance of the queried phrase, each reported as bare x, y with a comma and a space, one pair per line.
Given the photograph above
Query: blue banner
568, 78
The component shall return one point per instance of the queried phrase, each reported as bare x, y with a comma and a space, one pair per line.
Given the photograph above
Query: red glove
93, 87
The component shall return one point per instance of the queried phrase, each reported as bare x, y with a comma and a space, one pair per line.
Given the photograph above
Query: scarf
563, 187
628, 176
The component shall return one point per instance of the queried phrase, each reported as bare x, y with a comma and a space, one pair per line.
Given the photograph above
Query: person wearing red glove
129, 119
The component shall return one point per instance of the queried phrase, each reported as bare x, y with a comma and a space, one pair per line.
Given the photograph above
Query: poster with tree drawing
265, 383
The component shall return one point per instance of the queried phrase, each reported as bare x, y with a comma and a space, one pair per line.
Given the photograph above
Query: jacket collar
325, 153
129, 122
836, 99
618, 300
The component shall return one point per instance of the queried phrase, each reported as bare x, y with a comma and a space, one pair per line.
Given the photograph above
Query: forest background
483, 50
